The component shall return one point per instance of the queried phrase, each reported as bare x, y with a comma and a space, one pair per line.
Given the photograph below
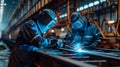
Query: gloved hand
52, 43
76, 46
59, 43
43, 43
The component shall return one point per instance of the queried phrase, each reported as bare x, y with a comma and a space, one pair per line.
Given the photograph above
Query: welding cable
34, 38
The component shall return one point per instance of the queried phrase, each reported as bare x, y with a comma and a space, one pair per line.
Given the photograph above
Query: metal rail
96, 56
62, 57
58, 61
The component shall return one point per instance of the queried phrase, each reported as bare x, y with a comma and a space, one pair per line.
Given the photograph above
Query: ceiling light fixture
2, 4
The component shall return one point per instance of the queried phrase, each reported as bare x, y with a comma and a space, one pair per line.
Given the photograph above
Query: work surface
81, 58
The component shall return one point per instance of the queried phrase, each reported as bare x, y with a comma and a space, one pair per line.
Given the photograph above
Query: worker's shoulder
92, 24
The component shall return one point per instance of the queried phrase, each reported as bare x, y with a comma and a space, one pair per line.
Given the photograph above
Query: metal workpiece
57, 60
62, 57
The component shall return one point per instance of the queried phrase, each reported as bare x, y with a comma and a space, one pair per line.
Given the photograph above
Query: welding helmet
46, 20
78, 21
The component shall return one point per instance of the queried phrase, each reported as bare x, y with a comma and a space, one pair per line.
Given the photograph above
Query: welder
83, 34
31, 38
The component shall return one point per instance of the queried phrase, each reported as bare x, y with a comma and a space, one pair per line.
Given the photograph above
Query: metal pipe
118, 15
68, 17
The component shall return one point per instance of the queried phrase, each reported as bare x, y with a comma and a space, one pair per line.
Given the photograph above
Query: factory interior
59, 33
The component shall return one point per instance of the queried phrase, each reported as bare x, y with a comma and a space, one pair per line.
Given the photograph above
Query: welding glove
43, 43
59, 43
51, 43
76, 46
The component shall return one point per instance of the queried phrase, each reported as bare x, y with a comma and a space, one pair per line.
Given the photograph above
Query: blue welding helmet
78, 21
46, 20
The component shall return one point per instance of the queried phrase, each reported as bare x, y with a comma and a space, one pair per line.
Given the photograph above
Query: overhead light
111, 22
52, 31
102, 1
85, 6
65, 14
91, 4
0, 34
1, 9
78, 9
61, 16
62, 29
81, 8
96, 2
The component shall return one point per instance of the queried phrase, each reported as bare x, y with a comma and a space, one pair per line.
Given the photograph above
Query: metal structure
66, 57
21, 15
118, 16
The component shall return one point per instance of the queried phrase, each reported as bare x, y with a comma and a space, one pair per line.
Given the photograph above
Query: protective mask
44, 28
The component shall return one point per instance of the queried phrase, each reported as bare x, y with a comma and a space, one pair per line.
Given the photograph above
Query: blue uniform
88, 38
30, 39
83, 34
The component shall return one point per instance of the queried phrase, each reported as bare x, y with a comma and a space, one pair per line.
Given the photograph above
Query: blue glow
77, 46
85, 6
96, 2
91, 4
80, 50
